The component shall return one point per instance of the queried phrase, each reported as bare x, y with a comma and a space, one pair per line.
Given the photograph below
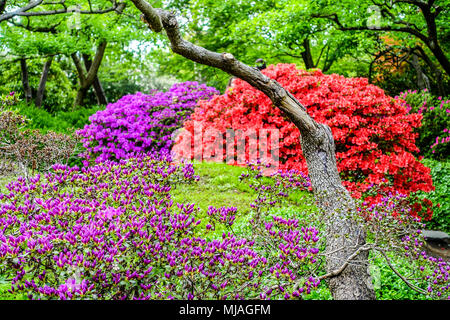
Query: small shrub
61, 121
30, 149
440, 172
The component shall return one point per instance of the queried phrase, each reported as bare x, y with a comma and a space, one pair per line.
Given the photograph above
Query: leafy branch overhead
51, 8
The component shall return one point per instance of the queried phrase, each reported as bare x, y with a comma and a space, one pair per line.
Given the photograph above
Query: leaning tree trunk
43, 82
344, 235
346, 254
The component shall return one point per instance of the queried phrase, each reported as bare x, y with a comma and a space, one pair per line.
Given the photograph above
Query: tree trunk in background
98, 89
307, 55
434, 69
433, 43
87, 77
422, 80
43, 82
25, 80
81, 93
345, 237
2, 6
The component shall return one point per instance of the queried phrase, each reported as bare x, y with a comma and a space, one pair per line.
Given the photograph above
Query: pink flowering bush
141, 123
434, 134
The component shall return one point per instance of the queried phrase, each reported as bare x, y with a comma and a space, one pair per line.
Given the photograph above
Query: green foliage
5, 285
440, 172
62, 121
77, 119
435, 120
59, 93
387, 285
65, 34
399, 28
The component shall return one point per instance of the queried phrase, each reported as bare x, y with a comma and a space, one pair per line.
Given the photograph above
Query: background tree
40, 8
421, 26
80, 38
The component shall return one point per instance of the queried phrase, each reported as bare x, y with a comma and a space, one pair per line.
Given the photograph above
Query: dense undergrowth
219, 184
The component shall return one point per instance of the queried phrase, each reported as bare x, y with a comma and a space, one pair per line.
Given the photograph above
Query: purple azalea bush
112, 231
141, 123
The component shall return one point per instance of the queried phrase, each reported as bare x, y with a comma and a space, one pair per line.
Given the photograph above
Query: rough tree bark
345, 238
25, 80
43, 82
98, 88
87, 78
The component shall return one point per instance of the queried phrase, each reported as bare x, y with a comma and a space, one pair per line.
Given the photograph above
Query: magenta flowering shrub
434, 134
112, 231
141, 123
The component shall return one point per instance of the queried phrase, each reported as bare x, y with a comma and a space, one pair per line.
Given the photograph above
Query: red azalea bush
374, 137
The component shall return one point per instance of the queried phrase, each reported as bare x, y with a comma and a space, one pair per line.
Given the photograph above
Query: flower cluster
141, 123
112, 231
373, 133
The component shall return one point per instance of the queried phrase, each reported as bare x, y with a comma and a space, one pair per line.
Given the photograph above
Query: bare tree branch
338, 271
29, 6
